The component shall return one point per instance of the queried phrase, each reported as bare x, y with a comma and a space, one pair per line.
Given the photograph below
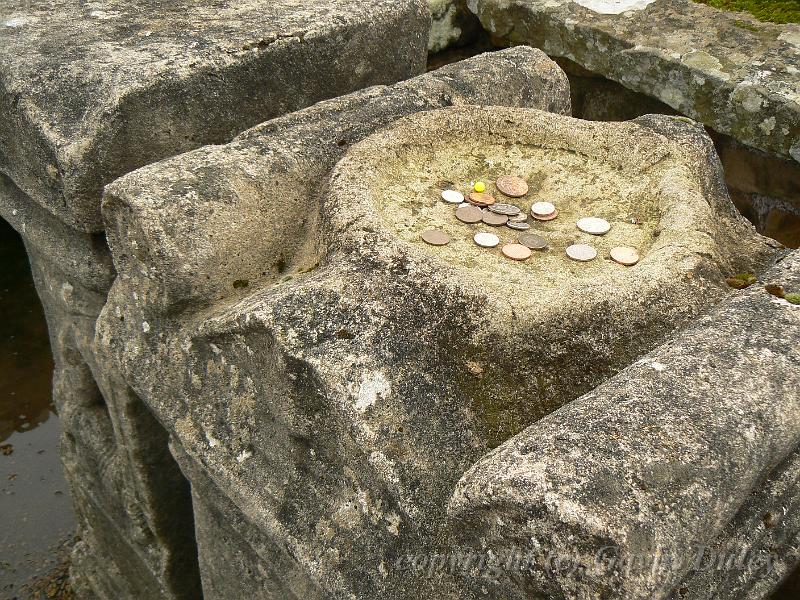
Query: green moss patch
773, 11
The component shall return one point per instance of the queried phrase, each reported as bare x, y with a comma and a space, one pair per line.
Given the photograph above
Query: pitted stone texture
452, 24
89, 92
321, 382
669, 455
206, 230
728, 70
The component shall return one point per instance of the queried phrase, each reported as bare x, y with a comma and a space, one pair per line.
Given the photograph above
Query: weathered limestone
89, 92
727, 70
330, 379
231, 238
669, 455
452, 24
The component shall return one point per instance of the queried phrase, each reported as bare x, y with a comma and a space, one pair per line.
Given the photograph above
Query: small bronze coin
624, 255
469, 214
481, 199
517, 226
435, 237
512, 186
581, 252
505, 209
549, 217
516, 251
533, 241
494, 219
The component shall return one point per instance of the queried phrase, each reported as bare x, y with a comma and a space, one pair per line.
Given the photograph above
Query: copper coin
452, 196
549, 217
542, 209
469, 214
581, 252
517, 251
435, 237
481, 199
513, 186
593, 225
516, 226
505, 209
533, 241
486, 239
494, 219
519, 218
625, 256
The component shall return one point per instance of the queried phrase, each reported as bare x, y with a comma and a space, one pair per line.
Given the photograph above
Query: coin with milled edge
452, 196
513, 186
435, 237
485, 239
624, 255
505, 209
493, 219
481, 199
593, 225
581, 252
517, 226
519, 218
533, 241
549, 217
516, 251
469, 214
542, 209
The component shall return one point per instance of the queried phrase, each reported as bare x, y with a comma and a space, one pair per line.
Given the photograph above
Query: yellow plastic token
479, 186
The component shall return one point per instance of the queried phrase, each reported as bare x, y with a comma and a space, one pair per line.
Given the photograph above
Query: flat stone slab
727, 70
89, 92
693, 448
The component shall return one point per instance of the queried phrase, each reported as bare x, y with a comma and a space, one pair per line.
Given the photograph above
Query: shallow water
34, 499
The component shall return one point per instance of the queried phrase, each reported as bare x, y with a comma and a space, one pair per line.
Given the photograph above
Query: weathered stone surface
329, 379
89, 92
452, 23
670, 454
728, 70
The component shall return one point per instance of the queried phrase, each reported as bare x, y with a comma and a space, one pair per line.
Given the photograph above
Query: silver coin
594, 225
518, 226
581, 252
533, 241
463, 204
542, 209
485, 239
452, 196
520, 218
505, 209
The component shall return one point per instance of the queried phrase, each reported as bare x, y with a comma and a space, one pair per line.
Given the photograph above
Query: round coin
519, 218
435, 237
481, 199
452, 196
517, 226
513, 186
549, 217
542, 209
517, 251
469, 214
505, 209
484, 239
494, 219
533, 241
624, 255
581, 252
593, 225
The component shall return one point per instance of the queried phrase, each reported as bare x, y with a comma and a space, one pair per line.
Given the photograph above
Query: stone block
89, 92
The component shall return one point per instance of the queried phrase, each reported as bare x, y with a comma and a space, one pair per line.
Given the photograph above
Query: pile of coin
479, 206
